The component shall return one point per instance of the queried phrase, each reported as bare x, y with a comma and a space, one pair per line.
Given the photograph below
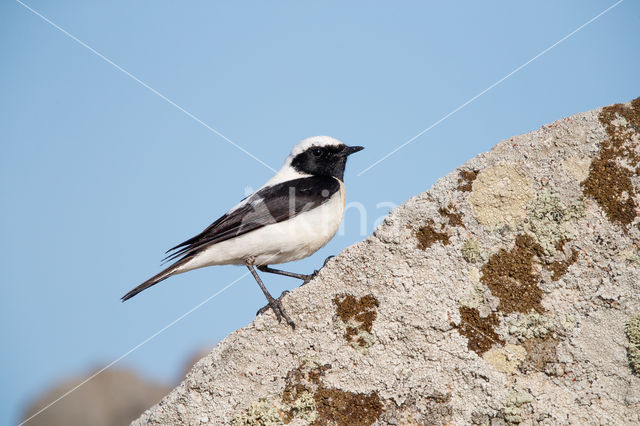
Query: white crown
307, 143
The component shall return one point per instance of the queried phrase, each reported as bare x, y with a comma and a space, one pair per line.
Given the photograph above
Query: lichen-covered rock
633, 333
506, 293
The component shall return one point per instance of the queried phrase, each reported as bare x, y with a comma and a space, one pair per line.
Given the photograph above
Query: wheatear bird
289, 218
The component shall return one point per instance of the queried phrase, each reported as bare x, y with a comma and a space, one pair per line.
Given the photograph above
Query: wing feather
269, 205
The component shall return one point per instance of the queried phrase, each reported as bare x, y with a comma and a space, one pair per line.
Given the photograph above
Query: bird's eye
317, 152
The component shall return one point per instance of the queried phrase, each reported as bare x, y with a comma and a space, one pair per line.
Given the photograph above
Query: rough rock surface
503, 294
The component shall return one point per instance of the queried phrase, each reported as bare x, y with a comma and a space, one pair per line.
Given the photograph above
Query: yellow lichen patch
505, 359
500, 195
536, 332
471, 251
304, 408
474, 298
577, 167
260, 413
633, 334
551, 221
530, 326
474, 274
512, 410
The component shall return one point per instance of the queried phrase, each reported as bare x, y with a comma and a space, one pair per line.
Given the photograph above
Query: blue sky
99, 175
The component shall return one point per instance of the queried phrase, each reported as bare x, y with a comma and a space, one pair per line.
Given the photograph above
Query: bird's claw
312, 275
327, 260
278, 309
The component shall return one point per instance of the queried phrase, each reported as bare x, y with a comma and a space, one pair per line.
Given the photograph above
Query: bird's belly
280, 242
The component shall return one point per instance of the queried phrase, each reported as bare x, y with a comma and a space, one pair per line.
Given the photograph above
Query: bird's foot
278, 309
309, 277
327, 260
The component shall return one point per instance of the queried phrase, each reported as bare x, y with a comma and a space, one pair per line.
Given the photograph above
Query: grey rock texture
503, 294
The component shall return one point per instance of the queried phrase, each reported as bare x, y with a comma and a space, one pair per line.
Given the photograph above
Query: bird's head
321, 156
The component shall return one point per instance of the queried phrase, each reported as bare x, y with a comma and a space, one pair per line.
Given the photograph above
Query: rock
506, 293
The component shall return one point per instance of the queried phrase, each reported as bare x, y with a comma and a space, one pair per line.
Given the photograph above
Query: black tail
161, 276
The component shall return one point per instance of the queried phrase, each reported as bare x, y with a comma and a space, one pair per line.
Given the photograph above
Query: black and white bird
289, 218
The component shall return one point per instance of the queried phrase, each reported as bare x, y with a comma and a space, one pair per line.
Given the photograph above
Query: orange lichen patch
330, 406
335, 406
610, 185
620, 135
451, 213
465, 179
427, 235
479, 331
358, 316
560, 267
609, 180
511, 277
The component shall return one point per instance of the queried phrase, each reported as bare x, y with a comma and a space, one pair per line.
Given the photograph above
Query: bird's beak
352, 150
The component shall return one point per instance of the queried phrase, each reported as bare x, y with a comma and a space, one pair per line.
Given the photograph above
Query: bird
293, 215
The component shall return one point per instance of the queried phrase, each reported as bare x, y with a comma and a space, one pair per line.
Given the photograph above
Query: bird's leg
304, 277
274, 304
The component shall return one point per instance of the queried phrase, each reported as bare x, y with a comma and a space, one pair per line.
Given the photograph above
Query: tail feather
161, 276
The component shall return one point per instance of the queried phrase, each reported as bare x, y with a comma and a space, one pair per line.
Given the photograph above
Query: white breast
281, 242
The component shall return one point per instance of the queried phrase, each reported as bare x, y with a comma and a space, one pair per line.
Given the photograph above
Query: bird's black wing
269, 205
